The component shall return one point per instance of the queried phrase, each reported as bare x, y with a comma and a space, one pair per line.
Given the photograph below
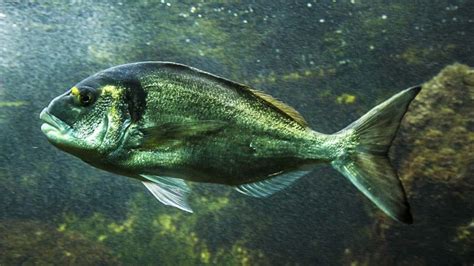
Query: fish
165, 124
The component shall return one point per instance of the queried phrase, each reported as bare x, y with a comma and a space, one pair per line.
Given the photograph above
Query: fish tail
364, 160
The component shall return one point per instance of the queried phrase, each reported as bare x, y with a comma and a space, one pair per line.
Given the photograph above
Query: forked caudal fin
365, 162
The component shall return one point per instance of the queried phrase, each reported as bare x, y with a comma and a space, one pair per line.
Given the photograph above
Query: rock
436, 139
434, 156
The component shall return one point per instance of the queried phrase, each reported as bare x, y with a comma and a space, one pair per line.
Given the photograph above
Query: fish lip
51, 122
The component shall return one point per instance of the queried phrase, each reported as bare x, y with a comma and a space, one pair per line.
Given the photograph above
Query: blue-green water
331, 60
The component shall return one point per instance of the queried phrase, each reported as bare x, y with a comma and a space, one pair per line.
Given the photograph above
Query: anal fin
267, 187
169, 191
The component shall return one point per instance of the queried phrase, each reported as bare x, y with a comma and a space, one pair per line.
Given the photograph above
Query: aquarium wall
330, 60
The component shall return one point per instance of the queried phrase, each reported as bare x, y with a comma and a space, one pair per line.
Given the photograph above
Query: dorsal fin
290, 111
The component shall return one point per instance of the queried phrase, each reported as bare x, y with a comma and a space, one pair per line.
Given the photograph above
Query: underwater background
331, 60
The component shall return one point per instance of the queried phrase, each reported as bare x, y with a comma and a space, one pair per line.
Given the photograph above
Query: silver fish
163, 123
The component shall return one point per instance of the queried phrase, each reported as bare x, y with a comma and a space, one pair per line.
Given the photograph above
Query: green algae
25, 242
164, 236
12, 104
346, 98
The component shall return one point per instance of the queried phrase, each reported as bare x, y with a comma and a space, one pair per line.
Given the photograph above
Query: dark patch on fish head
127, 77
135, 97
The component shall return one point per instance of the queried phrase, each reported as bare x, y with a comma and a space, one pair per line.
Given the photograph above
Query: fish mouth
52, 125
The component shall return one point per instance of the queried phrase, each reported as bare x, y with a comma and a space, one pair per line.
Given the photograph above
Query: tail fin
366, 163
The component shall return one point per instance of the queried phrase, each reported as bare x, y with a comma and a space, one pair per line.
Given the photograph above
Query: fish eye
85, 99
83, 96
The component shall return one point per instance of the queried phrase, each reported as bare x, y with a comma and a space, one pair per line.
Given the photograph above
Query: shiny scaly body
256, 141
163, 122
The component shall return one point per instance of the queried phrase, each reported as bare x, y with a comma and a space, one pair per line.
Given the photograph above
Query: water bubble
192, 9
309, 5
2, 15
322, 20
384, 16
452, 8
244, 21
371, 47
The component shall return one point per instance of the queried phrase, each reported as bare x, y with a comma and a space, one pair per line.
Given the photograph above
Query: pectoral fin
174, 133
169, 191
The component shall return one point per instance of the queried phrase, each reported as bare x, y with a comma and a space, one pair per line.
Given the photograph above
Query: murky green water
331, 60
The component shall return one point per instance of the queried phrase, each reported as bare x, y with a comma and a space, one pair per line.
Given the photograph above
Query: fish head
88, 120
